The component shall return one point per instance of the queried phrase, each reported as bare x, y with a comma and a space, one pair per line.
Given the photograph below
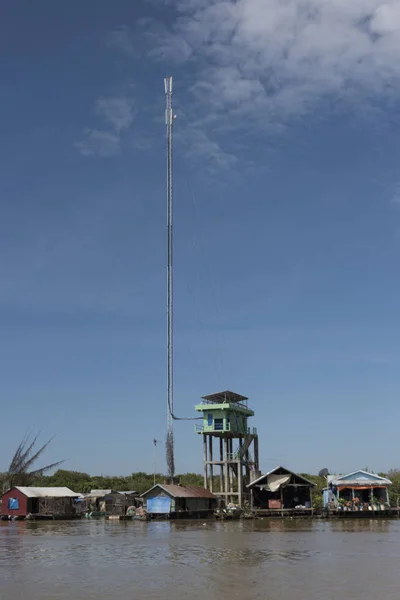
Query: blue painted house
178, 501
357, 491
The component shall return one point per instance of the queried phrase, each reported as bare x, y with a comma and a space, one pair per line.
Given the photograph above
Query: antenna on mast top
168, 84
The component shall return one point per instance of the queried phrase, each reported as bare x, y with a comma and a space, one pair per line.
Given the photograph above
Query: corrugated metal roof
359, 478
180, 491
359, 483
47, 492
227, 396
119, 493
258, 481
99, 493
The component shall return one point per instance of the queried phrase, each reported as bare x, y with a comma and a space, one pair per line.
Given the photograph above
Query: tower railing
214, 402
227, 427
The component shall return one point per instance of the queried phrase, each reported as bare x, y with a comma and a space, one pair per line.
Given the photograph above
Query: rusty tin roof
182, 491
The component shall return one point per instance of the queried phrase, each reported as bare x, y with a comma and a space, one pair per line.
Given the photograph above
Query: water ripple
99, 559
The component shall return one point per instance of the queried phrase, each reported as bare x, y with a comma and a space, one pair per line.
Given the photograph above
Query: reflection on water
247, 559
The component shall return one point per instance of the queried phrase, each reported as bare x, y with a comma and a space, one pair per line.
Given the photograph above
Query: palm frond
17, 456
43, 470
28, 461
22, 455
19, 472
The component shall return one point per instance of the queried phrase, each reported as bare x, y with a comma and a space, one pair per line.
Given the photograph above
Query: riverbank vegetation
19, 473
141, 481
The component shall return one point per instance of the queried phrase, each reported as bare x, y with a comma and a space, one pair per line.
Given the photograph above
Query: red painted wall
23, 503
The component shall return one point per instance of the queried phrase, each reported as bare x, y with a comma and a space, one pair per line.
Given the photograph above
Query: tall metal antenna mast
169, 119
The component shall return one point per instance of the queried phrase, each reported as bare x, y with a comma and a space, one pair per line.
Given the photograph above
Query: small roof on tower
226, 397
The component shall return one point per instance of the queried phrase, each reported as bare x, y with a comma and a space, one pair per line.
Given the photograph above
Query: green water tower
230, 445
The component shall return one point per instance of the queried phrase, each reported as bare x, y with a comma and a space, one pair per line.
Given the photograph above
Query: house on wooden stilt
281, 491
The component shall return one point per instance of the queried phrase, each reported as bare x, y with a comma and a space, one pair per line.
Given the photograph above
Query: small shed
281, 489
117, 503
177, 501
50, 502
95, 500
111, 502
357, 490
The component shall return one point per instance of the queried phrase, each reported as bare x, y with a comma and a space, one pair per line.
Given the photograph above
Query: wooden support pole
256, 460
240, 483
226, 469
210, 449
230, 469
205, 461
247, 467
221, 471
240, 473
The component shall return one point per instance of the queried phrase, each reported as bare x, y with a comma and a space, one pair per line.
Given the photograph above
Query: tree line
22, 471
141, 482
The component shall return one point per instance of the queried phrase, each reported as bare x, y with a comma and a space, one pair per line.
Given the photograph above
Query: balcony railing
226, 427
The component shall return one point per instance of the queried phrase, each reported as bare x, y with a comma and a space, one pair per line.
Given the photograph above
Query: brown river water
250, 560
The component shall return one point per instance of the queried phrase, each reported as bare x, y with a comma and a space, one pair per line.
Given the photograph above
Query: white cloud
99, 143
386, 19
117, 111
200, 147
311, 46
259, 63
122, 39
396, 196
168, 47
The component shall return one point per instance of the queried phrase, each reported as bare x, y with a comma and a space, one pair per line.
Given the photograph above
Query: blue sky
287, 226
